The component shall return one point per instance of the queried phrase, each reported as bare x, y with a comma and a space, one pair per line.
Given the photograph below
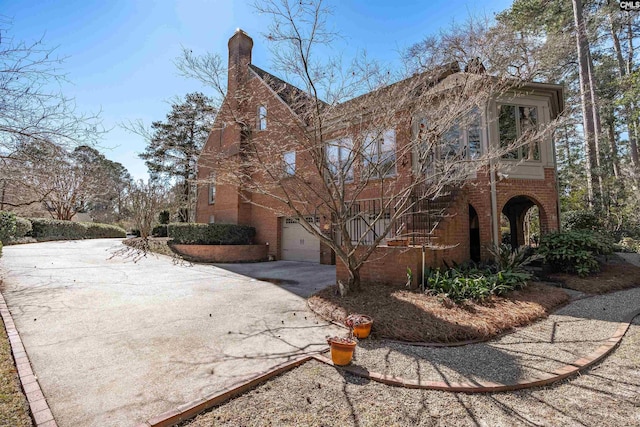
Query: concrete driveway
114, 343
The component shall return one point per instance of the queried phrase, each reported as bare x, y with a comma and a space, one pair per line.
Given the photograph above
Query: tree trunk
354, 279
623, 70
614, 148
597, 123
582, 48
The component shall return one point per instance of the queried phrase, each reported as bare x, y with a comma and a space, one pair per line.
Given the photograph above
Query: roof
297, 98
291, 95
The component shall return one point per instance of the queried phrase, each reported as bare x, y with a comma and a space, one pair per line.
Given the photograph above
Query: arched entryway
474, 235
525, 217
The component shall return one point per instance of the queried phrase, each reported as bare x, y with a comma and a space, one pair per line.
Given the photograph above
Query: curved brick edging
40, 411
606, 347
193, 408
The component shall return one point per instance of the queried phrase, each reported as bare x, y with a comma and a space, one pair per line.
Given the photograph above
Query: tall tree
174, 145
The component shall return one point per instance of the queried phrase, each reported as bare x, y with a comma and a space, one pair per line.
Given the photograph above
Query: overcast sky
120, 53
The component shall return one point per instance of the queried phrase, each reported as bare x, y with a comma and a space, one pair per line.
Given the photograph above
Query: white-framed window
380, 154
212, 219
339, 155
514, 122
461, 142
262, 117
212, 189
289, 159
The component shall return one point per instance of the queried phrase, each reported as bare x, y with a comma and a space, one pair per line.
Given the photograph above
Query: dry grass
416, 317
612, 277
14, 409
314, 394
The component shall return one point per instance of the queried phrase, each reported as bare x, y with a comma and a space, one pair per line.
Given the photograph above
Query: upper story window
462, 141
289, 163
515, 122
339, 154
380, 154
262, 117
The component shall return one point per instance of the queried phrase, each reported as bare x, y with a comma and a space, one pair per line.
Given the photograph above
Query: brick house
469, 217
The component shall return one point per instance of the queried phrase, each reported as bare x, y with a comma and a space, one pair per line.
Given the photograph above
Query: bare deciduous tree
146, 200
33, 110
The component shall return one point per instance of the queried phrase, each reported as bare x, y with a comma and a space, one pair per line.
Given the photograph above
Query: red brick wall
223, 253
389, 264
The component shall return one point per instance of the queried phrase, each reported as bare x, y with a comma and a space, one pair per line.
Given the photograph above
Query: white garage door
297, 243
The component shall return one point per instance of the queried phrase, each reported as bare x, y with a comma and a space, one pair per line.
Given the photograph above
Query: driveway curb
195, 407
606, 347
40, 411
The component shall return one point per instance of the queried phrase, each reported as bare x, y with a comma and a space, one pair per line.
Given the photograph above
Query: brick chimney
240, 45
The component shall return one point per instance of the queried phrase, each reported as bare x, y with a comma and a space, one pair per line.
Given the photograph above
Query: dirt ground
613, 276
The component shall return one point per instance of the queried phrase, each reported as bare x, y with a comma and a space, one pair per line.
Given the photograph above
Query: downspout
557, 178
492, 180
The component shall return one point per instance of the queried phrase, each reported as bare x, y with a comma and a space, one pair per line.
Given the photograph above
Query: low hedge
54, 229
7, 226
103, 231
13, 227
23, 227
159, 231
211, 234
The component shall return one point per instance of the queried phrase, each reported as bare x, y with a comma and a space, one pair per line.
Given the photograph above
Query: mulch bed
612, 277
406, 315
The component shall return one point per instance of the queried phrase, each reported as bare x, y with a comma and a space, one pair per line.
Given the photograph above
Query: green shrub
53, 229
23, 227
581, 220
508, 259
159, 231
574, 251
462, 283
211, 234
7, 226
164, 217
103, 231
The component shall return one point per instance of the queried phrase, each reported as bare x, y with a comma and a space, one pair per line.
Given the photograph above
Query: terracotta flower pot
341, 350
360, 324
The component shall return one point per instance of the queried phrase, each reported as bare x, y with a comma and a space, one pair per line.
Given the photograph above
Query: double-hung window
339, 155
380, 154
515, 122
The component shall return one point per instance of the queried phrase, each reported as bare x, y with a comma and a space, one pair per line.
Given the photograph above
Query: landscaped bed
406, 315
613, 276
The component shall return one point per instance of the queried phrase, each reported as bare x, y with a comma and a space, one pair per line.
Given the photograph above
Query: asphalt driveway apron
114, 343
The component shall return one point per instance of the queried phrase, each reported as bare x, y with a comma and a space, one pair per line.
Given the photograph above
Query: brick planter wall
223, 253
